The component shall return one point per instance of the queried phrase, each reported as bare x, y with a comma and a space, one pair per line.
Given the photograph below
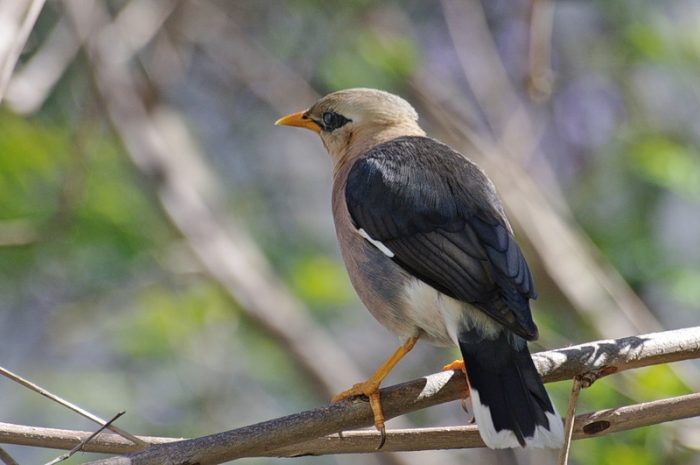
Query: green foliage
684, 284
649, 382
321, 282
33, 157
666, 163
164, 318
645, 41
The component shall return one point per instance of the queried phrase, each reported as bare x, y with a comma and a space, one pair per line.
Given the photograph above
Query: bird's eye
332, 121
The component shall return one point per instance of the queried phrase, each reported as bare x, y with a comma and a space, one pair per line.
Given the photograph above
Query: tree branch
290, 435
586, 425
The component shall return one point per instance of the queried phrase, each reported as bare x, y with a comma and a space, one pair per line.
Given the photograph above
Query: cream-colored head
351, 121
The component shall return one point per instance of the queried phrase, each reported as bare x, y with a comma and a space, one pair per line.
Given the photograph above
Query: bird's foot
370, 389
457, 365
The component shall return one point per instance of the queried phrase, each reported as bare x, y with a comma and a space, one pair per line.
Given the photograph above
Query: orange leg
370, 388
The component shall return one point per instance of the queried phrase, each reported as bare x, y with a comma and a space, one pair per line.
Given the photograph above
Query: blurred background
164, 249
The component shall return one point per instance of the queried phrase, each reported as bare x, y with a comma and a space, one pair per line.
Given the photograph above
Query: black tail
510, 403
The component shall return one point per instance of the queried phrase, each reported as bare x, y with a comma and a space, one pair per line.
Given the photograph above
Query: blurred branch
265, 75
7, 458
17, 45
31, 83
161, 147
283, 436
18, 232
482, 67
541, 77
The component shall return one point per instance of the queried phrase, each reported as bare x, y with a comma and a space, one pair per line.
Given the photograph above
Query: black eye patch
333, 121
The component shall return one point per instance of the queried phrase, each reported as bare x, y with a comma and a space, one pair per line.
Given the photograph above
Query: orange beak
299, 120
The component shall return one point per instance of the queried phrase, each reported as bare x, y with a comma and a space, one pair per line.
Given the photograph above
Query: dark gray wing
440, 217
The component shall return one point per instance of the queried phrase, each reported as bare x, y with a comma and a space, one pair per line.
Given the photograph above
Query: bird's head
351, 121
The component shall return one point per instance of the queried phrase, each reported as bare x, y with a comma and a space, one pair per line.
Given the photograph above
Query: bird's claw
382, 439
466, 406
371, 391
376, 405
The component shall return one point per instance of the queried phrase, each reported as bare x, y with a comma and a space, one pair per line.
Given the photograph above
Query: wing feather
440, 216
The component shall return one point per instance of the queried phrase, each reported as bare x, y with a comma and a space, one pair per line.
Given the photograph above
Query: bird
431, 254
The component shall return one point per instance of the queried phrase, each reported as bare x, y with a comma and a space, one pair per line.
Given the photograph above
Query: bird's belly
437, 315
400, 302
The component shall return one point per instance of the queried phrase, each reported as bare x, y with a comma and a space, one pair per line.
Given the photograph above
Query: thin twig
7, 458
38, 389
82, 443
569, 422
16, 50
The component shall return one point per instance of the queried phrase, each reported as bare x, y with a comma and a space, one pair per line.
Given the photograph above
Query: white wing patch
377, 244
